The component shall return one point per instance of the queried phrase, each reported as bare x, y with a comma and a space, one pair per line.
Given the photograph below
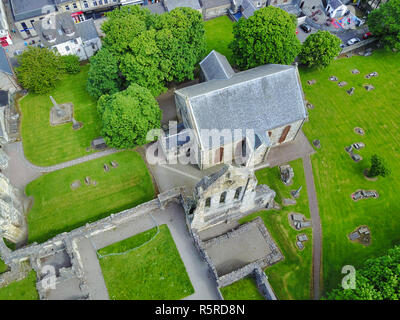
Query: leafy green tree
378, 167
128, 116
378, 279
39, 69
384, 23
319, 49
269, 36
103, 77
71, 63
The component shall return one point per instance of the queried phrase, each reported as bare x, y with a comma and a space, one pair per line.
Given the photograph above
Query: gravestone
76, 125
333, 78
87, 180
302, 237
342, 84
359, 131
287, 174
355, 71
300, 245
106, 167
369, 87
98, 144
76, 184
311, 82
317, 143
288, 202
60, 113
114, 164
351, 91
296, 193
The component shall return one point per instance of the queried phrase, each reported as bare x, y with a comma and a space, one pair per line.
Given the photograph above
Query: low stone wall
263, 284
358, 45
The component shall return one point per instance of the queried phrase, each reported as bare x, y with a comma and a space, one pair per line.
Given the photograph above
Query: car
367, 35
353, 41
305, 27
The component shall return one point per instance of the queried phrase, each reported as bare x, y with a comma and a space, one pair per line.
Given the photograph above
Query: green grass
24, 289
336, 175
58, 208
3, 266
290, 278
154, 271
219, 35
244, 289
45, 145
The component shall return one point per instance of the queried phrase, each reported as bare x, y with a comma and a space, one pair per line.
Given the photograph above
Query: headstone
75, 124
99, 144
287, 174
355, 71
317, 143
354, 236
300, 245
114, 164
359, 131
333, 78
342, 83
311, 82
296, 193
351, 91
87, 180
76, 184
106, 167
288, 202
369, 87
302, 237
297, 217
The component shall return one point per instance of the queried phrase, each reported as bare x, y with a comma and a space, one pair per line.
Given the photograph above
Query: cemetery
340, 121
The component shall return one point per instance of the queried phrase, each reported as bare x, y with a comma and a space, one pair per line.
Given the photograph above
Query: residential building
27, 12
5, 39
266, 101
72, 6
335, 9
67, 37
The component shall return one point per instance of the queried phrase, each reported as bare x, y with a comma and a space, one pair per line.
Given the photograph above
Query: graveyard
46, 145
150, 269
291, 277
336, 121
71, 197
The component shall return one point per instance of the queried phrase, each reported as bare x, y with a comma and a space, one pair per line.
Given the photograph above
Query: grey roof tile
216, 66
172, 4
25, 9
4, 64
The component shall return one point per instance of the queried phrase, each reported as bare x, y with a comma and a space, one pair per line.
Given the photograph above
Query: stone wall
263, 284
358, 45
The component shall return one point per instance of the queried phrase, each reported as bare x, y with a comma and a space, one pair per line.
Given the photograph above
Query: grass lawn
219, 35
3, 266
290, 278
336, 175
24, 289
58, 208
154, 271
45, 145
244, 289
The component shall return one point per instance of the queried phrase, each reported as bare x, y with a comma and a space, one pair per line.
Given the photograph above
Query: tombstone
288, 202
342, 84
99, 144
297, 217
76, 184
317, 143
305, 224
114, 164
359, 131
355, 71
287, 174
87, 180
296, 193
106, 167
311, 82
351, 91
369, 87
302, 237
358, 145
309, 105
354, 236
75, 124
356, 157
300, 245
349, 149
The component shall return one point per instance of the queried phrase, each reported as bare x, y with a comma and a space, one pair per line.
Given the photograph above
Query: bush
71, 63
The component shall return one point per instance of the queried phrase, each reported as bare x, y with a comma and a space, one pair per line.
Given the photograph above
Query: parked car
353, 41
342, 45
367, 35
305, 27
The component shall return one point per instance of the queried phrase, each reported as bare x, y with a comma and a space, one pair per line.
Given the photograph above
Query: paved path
316, 226
174, 217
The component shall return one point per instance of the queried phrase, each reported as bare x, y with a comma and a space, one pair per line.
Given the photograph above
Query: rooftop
172, 4
25, 9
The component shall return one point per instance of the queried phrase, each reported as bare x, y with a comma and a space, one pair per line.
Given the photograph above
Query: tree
269, 36
71, 63
128, 116
378, 167
103, 77
378, 279
39, 69
320, 49
384, 23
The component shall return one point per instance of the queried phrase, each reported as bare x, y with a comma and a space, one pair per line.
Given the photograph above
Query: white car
353, 41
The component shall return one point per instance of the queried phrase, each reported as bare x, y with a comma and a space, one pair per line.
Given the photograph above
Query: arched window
208, 202
222, 197
237, 193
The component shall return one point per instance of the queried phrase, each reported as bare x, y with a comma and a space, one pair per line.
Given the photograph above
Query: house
245, 8
5, 39
335, 9
215, 8
27, 12
67, 37
7, 78
74, 7
239, 116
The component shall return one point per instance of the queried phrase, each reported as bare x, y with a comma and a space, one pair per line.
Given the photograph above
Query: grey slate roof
4, 64
25, 9
62, 22
157, 8
262, 98
248, 8
335, 3
172, 4
207, 181
216, 66
207, 4
87, 30
3, 98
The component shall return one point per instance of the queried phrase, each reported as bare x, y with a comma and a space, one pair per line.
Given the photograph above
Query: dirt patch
365, 172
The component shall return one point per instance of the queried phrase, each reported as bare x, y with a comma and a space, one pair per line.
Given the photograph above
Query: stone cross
296, 193
59, 111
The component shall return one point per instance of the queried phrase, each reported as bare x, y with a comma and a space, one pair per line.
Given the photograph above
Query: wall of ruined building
210, 13
263, 284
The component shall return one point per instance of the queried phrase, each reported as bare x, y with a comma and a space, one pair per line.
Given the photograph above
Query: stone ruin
226, 196
296, 193
287, 174
12, 207
361, 235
